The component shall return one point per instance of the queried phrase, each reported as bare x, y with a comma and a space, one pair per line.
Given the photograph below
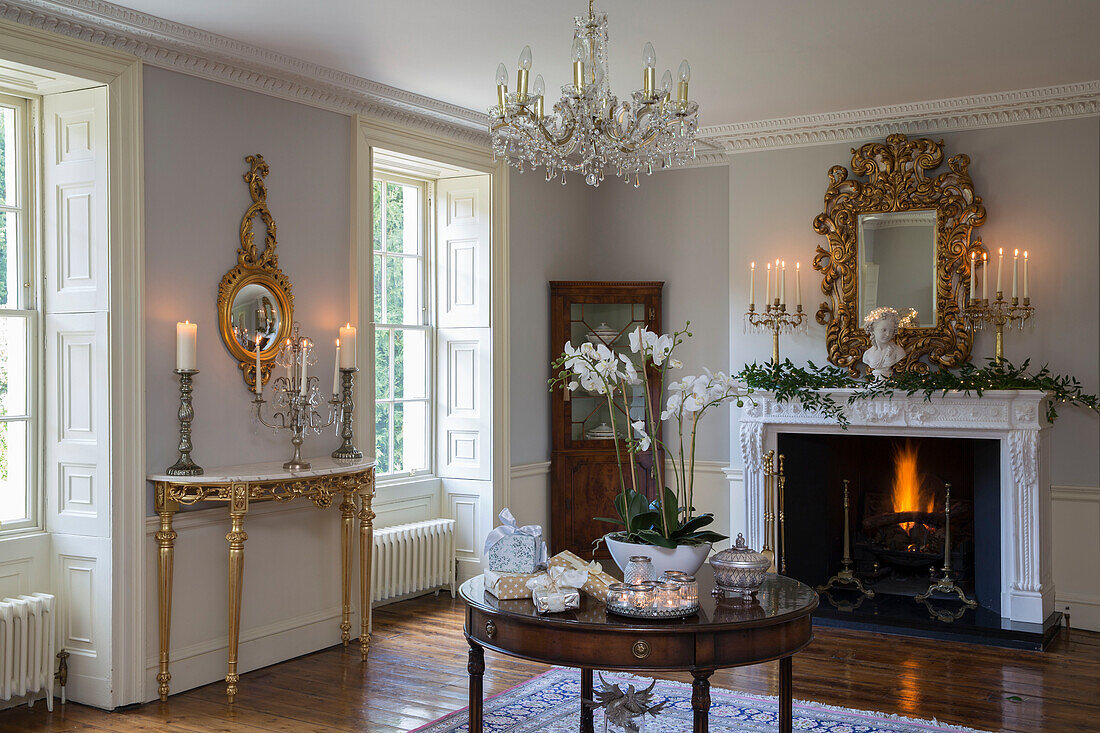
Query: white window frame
427, 316
26, 294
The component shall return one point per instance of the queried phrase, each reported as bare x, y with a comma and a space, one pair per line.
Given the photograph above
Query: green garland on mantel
789, 382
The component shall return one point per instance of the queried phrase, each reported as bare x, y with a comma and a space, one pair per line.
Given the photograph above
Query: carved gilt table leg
166, 541
238, 507
347, 514
366, 555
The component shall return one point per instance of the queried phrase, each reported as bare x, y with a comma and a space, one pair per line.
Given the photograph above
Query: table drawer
583, 647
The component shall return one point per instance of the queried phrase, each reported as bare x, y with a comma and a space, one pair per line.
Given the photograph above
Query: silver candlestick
185, 466
298, 397
347, 450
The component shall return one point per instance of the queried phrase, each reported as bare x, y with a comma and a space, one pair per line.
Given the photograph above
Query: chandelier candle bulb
347, 351
1015, 271
259, 380
649, 63
685, 77
187, 335
1025, 276
336, 371
578, 64
521, 75
1000, 269
539, 90
502, 87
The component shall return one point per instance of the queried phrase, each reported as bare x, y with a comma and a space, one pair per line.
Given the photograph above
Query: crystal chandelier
589, 130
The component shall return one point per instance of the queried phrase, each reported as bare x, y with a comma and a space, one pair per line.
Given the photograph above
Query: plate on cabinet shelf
603, 431
603, 334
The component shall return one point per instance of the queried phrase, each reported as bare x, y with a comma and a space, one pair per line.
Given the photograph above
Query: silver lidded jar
739, 569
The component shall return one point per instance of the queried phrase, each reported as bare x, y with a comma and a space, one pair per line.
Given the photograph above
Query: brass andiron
846, 576
999, 313
185, 466
774, 483
776, 319
347, 450
946, 584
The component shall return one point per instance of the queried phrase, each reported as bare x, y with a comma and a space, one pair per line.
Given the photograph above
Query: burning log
930, 519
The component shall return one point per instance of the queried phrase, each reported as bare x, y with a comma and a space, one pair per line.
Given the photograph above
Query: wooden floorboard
417, 673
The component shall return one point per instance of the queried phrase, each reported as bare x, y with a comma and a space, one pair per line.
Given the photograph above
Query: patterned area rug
549, 704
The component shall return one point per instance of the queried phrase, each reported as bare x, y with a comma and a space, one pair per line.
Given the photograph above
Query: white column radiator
410, 558
27, 647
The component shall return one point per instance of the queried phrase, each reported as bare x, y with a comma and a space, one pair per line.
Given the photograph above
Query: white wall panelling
1076, 518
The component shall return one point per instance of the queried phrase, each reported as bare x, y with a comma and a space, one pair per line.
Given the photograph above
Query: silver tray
652, 613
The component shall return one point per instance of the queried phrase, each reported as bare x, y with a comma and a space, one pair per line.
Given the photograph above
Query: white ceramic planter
687, 558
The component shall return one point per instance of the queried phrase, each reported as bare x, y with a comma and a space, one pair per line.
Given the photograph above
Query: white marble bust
882, 324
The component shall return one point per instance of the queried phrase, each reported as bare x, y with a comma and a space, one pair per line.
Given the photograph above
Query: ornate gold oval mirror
901, 238
255, 305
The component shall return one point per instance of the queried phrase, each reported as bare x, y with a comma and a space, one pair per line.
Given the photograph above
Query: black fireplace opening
899, 528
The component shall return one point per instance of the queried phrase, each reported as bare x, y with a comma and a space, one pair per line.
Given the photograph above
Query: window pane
379, 275
9, 259
410, 426
382, 364
402, 218
13, 366
8, 179
382, 437
410, 364
13, 471
377, 200
402, 290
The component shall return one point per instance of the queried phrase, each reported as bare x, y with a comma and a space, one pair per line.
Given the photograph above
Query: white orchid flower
675, 402
573, 386
643, 437
661, 348
631, 371
676, 363
635, 339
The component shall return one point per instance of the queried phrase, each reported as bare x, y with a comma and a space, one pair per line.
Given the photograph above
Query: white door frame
369, 133
122, 74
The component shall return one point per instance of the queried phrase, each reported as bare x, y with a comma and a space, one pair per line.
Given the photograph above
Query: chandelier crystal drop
589, 130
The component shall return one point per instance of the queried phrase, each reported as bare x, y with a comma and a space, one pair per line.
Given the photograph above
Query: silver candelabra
297, 402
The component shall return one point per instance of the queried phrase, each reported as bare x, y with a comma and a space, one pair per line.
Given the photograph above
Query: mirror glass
897, 263
255, 312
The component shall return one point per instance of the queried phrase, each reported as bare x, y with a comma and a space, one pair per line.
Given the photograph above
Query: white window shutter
463, 252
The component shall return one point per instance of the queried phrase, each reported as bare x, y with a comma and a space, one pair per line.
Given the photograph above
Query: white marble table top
267, 471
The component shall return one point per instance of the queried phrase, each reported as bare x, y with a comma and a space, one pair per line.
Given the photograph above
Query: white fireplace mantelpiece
1016, 418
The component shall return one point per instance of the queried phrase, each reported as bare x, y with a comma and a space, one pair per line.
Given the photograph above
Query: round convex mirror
255, 314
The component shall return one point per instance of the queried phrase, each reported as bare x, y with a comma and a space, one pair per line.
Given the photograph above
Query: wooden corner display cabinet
584, 474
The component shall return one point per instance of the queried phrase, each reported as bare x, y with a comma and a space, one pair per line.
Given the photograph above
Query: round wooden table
725, 633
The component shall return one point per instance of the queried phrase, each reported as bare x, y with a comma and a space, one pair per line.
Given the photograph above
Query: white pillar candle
973, 272
259, 379
1025, 275
777, 295
305, 364
186, 343
347, 351
752, 284
336, 370
783, 284
798, 283
985, 276
1000, 267
1015, 270
768, 287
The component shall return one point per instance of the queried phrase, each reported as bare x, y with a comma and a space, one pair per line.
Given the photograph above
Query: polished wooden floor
417, 672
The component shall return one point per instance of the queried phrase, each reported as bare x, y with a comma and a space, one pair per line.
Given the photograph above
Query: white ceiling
751, 59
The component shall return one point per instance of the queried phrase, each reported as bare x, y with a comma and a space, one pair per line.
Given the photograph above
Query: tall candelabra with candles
999, 312
297, 404
774, 316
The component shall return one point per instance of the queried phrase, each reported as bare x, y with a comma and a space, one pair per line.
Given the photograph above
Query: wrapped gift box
558, 589
509, 586
556, 601
512, 549
598, 581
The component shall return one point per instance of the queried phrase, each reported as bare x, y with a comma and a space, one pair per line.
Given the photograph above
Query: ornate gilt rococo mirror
255, 305
901, 238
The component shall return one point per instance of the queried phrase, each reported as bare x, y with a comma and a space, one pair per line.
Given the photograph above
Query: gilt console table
239, 486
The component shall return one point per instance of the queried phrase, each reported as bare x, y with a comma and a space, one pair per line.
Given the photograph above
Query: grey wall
197, 134
906, 257
1041, 186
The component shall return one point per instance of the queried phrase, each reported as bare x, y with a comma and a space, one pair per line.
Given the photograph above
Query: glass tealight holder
689, 590
668, 596
640, 596
638, 570
617, 594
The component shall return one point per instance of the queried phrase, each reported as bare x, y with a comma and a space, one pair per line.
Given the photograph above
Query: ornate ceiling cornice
169, 45
179, 47
941, 115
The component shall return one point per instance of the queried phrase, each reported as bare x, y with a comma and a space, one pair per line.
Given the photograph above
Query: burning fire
908, 495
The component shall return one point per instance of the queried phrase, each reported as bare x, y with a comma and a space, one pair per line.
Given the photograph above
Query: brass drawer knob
640, 649
490, 629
